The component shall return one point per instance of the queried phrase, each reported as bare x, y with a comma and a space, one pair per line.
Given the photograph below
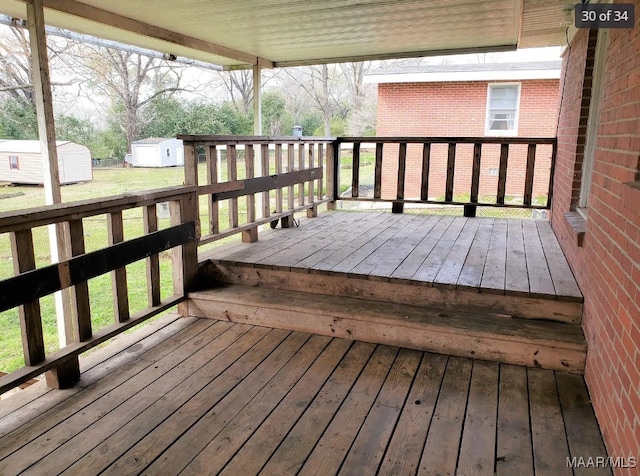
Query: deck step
545, 344
394, 291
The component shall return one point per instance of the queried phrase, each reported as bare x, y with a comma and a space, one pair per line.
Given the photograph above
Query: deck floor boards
218, 397
498, 256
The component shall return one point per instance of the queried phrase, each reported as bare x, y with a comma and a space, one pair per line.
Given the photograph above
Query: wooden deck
498, 256
197, 396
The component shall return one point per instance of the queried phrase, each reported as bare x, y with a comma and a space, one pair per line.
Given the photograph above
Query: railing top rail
48, 214
444, 140
223, 140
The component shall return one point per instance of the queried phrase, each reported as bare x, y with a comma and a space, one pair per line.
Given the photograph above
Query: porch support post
46, 131
257, 130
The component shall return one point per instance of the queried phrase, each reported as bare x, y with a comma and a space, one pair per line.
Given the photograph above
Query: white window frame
513, 132
11, 162
588, 157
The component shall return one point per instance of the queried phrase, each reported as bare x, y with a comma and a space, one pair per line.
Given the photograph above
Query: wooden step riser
396, 292
412, 335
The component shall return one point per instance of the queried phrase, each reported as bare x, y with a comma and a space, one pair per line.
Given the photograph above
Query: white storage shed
157, 152
21, 162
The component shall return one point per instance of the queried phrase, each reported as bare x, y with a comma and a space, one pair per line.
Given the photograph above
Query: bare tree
127, 81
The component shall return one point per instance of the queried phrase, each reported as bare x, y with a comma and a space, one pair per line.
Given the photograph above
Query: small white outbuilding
157, 152
21, 162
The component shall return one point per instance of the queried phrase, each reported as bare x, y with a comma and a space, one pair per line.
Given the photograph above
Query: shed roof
26, 146
153, 140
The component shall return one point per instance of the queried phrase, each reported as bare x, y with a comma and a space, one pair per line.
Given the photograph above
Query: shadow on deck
207, 397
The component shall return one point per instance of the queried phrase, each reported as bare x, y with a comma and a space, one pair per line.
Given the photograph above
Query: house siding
607, 266
458, 109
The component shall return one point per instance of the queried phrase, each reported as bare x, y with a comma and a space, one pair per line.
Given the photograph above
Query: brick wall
607, 266
459, 109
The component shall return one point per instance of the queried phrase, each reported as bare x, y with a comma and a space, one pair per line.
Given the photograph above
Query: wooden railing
273, 168
472, 169
30, 283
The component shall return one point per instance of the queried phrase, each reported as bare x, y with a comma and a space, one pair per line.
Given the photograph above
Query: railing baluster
118, 276
290, 168
250, 235
451, 169
211, 153
355, 171
554, 152
80, 292
30, 321
426, 165
398, 207
301, 154
184, 257
470, 209
377, 181
312, 164
150, 219
266, 197
279, 159
502, 174
321, 165
232, 172
528, 182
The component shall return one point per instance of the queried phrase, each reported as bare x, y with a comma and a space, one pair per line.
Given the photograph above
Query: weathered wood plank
540, 282
443, 441
475, 173
471, 273
300, 441
429, 269
238, 429
261, 184
355, 171
115, 228
368, 448
301, 166
46, 280
266, 196
265, 440
232, 175
513, 448
290, 168
426, 165
451, 169
583, 434
249, 161
405, 448
502, 173
516, 277
150, 223
331, 449
377, 181
547, 426
312, 163
451, 268
24, 260
528, 181
564, 283
321, 159
402, 170
211, 154
494, 273
222, 409
279, 170
80, 292
477, 450
135, 447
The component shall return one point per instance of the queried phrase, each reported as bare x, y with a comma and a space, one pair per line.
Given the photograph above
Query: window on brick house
503, 101
14, 163
592, 122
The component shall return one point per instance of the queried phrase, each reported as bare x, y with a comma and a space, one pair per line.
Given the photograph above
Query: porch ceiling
239, 33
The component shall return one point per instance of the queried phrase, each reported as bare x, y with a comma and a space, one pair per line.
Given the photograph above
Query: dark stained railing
427, 166
29, 283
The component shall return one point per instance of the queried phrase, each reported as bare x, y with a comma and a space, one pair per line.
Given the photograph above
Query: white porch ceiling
239, 33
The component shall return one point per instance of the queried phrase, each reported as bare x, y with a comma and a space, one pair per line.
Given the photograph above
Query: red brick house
596, 217
462, 100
